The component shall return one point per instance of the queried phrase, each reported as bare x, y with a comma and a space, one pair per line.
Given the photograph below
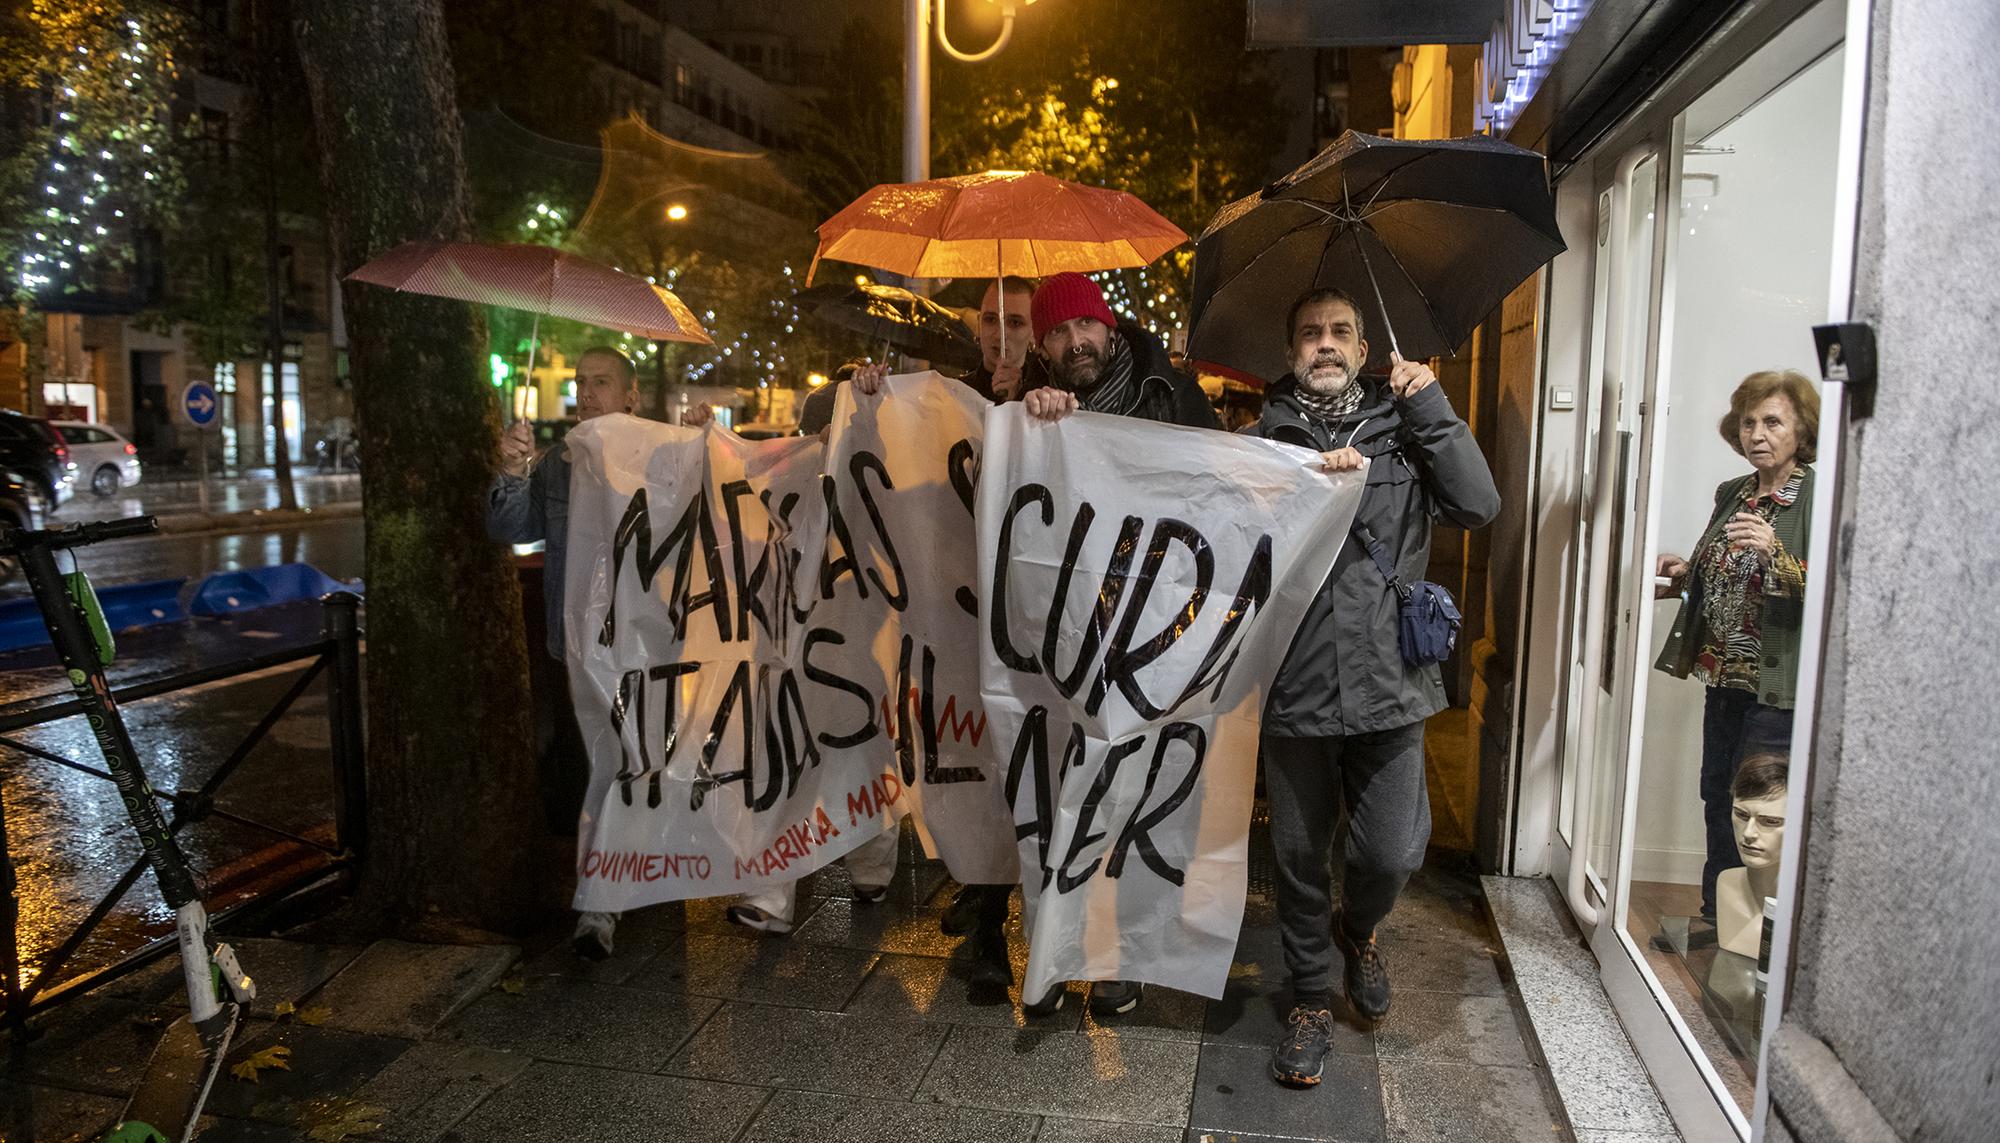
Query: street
332, 545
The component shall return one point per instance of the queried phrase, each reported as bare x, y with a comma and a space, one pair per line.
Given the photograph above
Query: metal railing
337, 655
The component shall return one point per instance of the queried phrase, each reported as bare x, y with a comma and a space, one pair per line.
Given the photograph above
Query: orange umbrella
993, 224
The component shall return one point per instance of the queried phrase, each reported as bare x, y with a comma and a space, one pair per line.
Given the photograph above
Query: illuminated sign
1522, 47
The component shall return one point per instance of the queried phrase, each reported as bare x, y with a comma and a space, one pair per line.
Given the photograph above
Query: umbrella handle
534, 334
1000, 288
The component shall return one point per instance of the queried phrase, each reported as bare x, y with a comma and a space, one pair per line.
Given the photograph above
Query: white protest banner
1141, 584
898, 615
691, 565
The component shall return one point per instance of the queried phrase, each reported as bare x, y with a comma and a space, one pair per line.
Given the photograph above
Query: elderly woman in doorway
1743, 596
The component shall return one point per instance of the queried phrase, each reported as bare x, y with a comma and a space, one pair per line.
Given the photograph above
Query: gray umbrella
1427, 235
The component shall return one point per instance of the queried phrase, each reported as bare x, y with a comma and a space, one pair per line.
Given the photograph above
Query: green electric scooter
169, 1099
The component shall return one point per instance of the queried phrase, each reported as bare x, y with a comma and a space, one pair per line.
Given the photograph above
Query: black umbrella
909, 322
1427, 235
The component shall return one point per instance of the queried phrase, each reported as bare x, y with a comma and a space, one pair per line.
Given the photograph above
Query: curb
260, 520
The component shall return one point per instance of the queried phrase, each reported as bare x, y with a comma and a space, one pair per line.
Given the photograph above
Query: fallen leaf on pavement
273, 1057
353, 1119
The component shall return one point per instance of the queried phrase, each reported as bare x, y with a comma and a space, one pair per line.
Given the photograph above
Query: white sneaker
757, 920
593, 935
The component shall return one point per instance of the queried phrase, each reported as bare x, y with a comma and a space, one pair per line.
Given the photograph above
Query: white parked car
103, 460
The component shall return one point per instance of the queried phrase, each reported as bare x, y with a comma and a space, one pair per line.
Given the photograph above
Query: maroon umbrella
539, 280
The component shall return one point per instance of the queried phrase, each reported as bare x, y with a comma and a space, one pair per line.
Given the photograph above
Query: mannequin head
1759, 809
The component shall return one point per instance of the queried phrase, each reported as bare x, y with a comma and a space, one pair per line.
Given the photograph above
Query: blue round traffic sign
199, 404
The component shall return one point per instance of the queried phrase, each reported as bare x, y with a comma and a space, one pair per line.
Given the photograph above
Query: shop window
1748, 275
294, 411
224, 380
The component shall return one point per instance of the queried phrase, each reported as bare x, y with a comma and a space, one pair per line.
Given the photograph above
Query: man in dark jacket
1345, 719
1102, 365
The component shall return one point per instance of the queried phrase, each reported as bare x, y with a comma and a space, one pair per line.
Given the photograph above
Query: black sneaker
1115, 997
1301, 1055
962, 915
1367, 975
990, 967
1048, 1005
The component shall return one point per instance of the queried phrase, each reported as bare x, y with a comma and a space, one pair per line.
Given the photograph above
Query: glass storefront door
1712, 257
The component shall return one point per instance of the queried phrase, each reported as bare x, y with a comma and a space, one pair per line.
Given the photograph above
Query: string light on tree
112, 94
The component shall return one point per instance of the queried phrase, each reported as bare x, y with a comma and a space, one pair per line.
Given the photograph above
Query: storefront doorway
1706, 236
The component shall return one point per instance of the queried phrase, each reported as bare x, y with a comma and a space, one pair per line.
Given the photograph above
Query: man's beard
1080, 368
1325, 375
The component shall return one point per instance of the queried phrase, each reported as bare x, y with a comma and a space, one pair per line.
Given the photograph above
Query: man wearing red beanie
1102, 365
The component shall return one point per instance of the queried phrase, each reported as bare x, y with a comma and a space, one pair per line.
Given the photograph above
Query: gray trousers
1379, 778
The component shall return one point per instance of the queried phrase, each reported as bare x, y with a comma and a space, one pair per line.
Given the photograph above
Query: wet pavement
67, 831
858, 1027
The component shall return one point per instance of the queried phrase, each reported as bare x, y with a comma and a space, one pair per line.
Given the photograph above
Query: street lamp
917, 19
677, 213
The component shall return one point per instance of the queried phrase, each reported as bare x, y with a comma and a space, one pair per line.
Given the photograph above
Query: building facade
1728, 177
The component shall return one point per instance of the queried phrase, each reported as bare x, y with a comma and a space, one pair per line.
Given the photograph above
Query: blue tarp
226, 593
126, 606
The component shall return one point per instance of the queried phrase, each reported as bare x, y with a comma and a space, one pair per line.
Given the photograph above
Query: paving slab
766, 970
284, 970
1252, 1013
928, 988
396, 988
1163, 1014
1065, 1074
221, 1129
55, 1115
883, 928
817, 1051
432, 1086
326, 1064
564, 1103
1056, 1129
1449, 1026
94, 1043
556, 1018
1431, 965
1234, 1092
1428, 1101
812, 1117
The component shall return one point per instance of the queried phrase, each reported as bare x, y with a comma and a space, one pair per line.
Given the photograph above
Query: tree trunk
454, 824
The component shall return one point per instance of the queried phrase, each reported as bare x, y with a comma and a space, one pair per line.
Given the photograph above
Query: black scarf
1115, 391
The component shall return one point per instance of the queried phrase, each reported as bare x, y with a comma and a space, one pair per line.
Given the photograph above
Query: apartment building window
683, 85
215, 135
